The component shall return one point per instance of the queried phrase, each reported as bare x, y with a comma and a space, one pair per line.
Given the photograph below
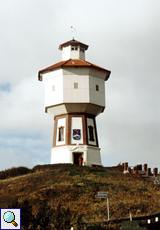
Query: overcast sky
123, 36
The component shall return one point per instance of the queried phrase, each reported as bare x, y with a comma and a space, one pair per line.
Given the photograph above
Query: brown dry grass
75, 187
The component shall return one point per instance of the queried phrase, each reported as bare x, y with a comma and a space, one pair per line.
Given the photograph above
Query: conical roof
73, 63
73, 42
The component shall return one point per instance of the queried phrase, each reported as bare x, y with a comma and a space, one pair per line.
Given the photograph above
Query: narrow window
74, 47
97, 87
53, 87
61, 133
76, 85
91, 133
82, 49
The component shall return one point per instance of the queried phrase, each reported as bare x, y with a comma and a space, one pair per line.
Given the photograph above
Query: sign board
101, 196
103, 193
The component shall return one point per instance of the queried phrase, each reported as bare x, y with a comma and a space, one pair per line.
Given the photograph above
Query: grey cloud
122, 37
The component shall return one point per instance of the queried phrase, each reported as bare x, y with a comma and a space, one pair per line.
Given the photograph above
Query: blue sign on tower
76, 134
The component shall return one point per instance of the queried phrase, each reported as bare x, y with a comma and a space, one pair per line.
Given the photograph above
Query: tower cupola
73, 50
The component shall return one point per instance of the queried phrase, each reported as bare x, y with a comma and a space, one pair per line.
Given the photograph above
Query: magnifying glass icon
9, 217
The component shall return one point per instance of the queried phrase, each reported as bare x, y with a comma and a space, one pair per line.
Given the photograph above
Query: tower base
70, 154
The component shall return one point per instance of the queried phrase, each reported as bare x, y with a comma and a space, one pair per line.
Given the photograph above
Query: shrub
27, 218
96, 227
129, 225
13, 172
43, 217
61, 218
80, 224
63, 167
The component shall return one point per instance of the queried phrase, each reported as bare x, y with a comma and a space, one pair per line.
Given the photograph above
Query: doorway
75, 158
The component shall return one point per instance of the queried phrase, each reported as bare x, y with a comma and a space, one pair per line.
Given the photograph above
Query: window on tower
74, 47
97, 87
91, 133
82, 49
75, 85
61, 133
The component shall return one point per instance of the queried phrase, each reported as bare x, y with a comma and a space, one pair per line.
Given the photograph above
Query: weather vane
72, 31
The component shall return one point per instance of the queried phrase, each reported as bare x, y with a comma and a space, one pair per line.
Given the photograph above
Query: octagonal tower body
74, 96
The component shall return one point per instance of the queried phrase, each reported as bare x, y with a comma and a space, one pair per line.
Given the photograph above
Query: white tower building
74, 96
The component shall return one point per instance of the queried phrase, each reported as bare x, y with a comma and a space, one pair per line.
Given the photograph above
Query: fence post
130, 216
145, 167
149, 221
108, 207
155, 171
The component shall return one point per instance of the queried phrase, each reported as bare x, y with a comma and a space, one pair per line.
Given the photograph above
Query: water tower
74, 95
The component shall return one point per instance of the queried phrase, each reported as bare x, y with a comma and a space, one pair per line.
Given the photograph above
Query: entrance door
75, 157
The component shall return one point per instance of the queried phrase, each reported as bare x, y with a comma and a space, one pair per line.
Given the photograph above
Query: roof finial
72, 31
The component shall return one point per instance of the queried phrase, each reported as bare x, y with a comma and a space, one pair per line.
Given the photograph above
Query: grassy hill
75, 187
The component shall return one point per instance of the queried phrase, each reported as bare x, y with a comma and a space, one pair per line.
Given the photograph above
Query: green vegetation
131, 225
14, 172
72, 190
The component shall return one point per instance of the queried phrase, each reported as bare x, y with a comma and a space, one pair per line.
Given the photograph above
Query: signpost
104, 195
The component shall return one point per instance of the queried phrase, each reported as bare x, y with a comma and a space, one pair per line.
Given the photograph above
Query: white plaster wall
56, 110
76, 123
91, 155
94, 156
61, 122
63, 82
67, 54
79, 95
53, 97
52, 74
97, 73
97, 97
91, 122
75, 54
61, 155
76, 71
73, 108
82, 55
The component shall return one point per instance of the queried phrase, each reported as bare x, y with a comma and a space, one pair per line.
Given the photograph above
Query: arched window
91, 133
61, 133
